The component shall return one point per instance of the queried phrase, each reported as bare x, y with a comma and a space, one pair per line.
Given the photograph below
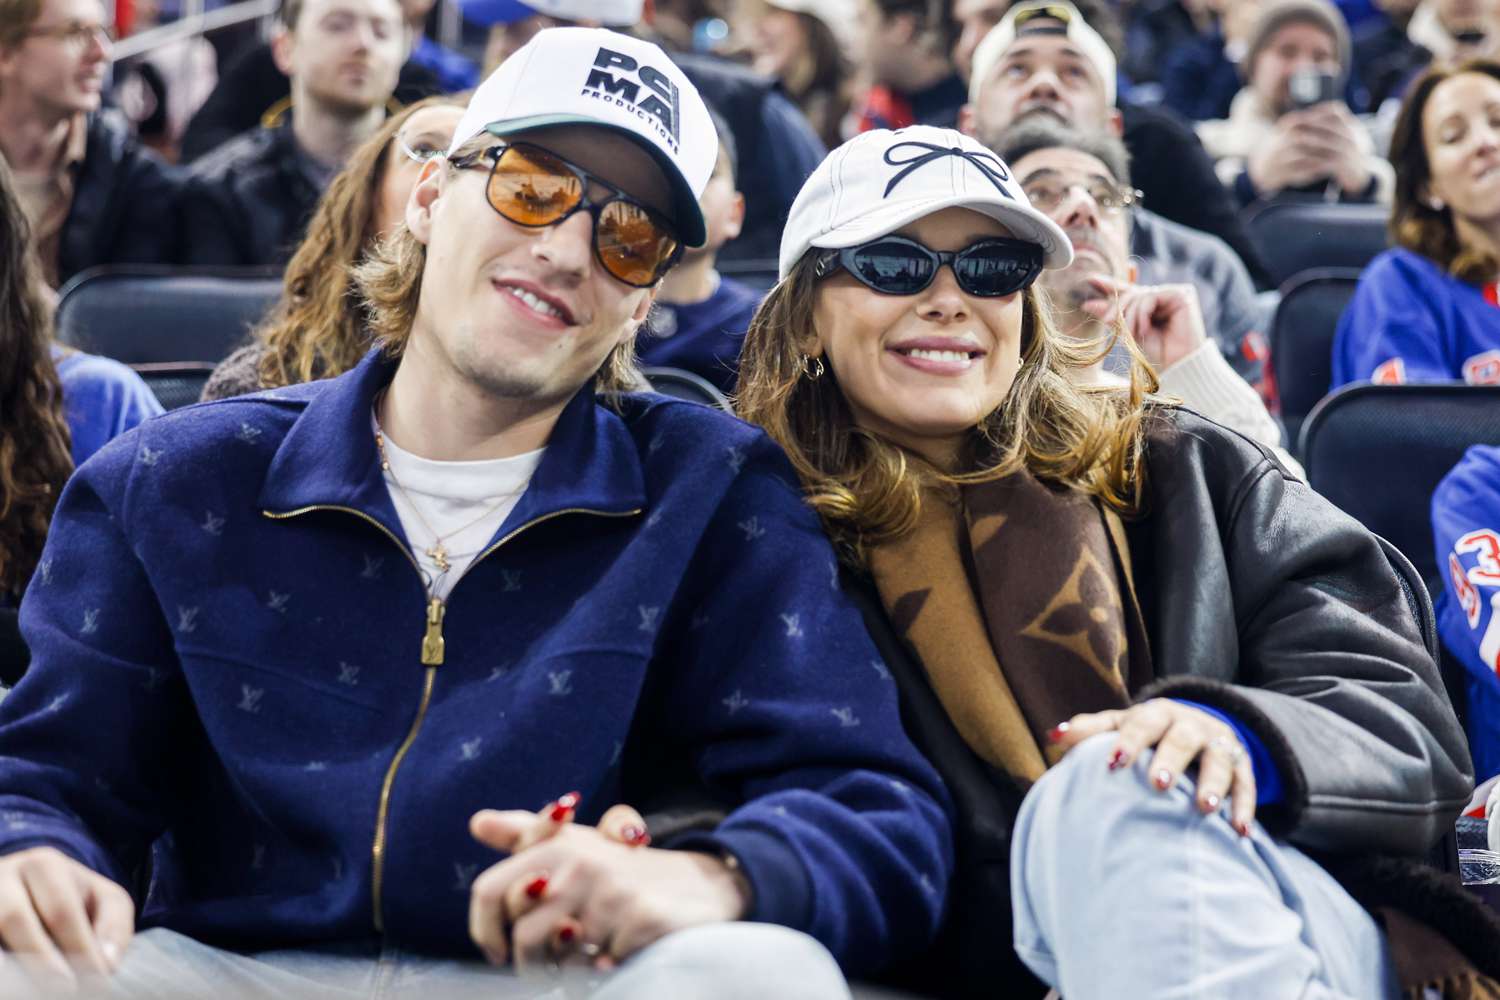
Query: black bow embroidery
988, 163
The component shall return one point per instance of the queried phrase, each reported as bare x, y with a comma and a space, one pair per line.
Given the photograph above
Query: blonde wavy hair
869, 491
390, 285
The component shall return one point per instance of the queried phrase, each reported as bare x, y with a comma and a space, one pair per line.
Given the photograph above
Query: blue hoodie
228, 636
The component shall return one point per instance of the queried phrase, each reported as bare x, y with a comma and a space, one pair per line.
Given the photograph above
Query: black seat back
1302, 340
176, 383
1296, 235
686, 385
149, 315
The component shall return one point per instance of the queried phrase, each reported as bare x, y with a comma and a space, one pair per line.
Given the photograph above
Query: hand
1284, 160
581, 886
1329, 133
1180, 735
1165, 321
58, 916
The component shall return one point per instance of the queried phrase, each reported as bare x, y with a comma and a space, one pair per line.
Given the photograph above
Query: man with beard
248, 202
1043, 62
1082, 182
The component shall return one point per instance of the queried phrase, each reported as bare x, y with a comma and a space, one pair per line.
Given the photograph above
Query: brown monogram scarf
1019, 602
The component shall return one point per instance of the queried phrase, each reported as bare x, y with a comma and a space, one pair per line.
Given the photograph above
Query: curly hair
317, 328
868, 491
35, 455
1415, 224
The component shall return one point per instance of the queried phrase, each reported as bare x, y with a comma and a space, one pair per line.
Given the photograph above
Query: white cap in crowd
881, 180
1089, 42
591, 76
841, 16
612, 13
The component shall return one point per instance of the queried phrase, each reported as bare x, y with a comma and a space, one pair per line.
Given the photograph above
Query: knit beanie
1279, 13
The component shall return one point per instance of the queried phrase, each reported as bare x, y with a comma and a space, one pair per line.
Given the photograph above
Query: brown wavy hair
868, 491
1414, 224
16, 19
317, 328
35, 455
390, 284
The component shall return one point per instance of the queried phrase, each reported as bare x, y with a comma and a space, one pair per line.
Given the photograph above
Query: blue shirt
1412, 321
701, 337
101, 399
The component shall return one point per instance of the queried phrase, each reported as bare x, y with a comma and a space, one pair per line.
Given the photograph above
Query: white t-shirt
464, 503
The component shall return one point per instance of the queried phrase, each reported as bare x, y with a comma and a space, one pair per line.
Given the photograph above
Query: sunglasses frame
844, 258
586, 181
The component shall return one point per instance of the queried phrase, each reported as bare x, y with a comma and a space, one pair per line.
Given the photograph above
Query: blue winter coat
228, 635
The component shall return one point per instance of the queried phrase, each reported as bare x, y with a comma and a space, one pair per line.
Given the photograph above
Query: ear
735, 224
283, 47
424, 197
1116, 124
638, 316
966, 119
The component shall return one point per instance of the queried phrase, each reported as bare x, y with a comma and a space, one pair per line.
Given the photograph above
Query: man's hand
615, 898
1284, 161
1165, 321
58, 916
1329, 134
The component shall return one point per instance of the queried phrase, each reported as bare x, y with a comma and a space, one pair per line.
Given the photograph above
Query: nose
566, 248
943, 301
1485, 136
1077, 209
99, 45
1043, 83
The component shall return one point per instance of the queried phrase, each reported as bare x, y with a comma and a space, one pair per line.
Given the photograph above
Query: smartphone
1309, 87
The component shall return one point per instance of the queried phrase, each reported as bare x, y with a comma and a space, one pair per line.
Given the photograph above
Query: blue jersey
1466, 527
1411, 321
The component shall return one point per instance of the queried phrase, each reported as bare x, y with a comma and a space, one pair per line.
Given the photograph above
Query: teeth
938, 355
534, 303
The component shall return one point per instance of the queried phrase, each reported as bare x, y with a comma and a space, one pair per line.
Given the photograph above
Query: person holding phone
1289, 130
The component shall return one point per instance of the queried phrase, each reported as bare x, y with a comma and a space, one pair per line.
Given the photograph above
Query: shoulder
1207, 252
1183, 447
90, 378
700, 446
244, 149
1405, 265
1473, 482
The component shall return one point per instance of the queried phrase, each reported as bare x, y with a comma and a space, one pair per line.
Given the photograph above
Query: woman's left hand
1180, 735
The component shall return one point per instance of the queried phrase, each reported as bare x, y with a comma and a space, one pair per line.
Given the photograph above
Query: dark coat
1264, 601
124, 207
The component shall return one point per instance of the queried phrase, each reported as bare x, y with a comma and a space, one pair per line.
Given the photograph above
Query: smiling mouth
536, 303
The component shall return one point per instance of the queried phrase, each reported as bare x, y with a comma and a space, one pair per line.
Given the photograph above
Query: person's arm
1466, 536
1203, 380
1389, 333
209, 225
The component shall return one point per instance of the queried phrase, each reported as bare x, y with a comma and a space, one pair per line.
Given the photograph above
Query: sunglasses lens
997, 268
632, 246
893, 268
533, 187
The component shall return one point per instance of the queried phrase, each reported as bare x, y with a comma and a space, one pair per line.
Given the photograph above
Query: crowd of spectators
723, 196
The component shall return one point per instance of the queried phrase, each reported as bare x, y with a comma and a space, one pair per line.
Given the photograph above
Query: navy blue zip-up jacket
228, 636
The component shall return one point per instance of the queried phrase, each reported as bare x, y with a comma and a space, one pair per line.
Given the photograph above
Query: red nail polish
536, 887
635, 836
1117, 760
566, 934
1057, 732
1211, 803
1242, 828
1163, 779
564, 806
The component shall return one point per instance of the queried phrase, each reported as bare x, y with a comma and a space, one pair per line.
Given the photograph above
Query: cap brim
489, 12
1024, 223
686, 212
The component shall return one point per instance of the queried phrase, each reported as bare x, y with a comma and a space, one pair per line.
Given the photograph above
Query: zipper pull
432, 640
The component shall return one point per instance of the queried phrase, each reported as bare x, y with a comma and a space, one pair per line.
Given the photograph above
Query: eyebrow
1048, 172
1017, 51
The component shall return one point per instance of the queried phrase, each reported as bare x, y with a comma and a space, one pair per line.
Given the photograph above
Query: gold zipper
433, 651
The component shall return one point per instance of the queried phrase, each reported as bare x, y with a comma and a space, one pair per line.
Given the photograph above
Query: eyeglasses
75, 33
532, 187
421, 155
895, 265
1046, 195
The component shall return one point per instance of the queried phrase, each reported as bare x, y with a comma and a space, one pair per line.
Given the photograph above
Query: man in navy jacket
325, 647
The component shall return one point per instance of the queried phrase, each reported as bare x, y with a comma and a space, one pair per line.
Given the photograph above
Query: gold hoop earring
816, 371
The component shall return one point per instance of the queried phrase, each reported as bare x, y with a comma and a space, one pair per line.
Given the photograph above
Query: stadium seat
176, 383
1302, 341
1295, 236
686, 385
148, 315
758, 274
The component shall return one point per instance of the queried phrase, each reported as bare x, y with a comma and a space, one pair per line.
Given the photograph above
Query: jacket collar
329, 459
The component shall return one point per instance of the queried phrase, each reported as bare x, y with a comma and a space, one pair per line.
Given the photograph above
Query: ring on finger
1230, 747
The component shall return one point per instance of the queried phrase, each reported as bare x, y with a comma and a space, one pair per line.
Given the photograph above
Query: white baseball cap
592, 76
841, 16
881, 180
999, 39
612, 13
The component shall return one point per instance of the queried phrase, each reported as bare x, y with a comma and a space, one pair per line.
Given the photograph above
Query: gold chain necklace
437, 551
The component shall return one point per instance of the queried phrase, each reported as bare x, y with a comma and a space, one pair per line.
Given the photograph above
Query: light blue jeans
1121, 891
738, 960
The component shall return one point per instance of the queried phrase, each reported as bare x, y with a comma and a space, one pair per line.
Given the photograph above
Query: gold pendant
439, 557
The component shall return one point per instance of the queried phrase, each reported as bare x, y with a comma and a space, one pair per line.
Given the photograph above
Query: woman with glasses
317, 329
1153, 668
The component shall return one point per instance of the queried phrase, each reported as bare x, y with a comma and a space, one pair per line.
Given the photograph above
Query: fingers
487, 915
58, 897
1069, 734
1141, 727
501, 830
112, 913
22, 933
1242, 796
623, 824
1215, 773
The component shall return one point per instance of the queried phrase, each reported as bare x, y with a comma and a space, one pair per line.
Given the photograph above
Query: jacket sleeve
786, 707
152, 192
85, 736
1332, 675
1466, 528
210, 225
1389, 333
